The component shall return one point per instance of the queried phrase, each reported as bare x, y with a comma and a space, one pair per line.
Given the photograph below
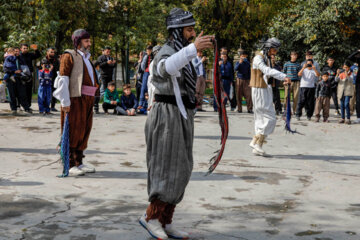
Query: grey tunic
169, 139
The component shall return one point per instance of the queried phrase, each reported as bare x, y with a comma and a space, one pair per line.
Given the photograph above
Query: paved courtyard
308, 189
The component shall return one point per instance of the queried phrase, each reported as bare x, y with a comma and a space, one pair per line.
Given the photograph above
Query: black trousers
357, 89
307, 100
29, 90
334, 98
53, 99
17, 90
276, 98
138, 89
233, 101
107, 106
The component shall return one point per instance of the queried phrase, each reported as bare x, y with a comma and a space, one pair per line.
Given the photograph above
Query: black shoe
53, 109
29, 111
232, 109
309, 118
240, 111
97, 112
200, 110
250, 111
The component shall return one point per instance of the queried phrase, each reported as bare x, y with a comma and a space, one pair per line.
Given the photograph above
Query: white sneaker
258, 149
357, 120
86, 169
253, 142
254, 151
174, 233
75, 171
154, 228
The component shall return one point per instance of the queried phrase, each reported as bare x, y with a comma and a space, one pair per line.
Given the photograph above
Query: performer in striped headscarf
169, 129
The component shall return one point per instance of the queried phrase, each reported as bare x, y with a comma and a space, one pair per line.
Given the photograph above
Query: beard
187, 41
85, 50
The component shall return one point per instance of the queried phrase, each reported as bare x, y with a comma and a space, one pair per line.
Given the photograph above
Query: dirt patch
273, 221
308, 233
10, 208
272, 232
269, 208
257, 176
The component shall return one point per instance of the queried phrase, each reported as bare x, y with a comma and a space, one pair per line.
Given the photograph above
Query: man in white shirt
309, 76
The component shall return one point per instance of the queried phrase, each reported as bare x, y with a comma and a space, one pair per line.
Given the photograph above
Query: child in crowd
45, 84
10, 64
345, 91
323, 94
129, 102
144, 109
111, 98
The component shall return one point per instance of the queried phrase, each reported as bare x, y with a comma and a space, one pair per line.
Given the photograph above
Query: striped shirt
291, 69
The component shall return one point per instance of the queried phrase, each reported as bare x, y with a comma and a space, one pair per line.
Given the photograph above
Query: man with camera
27, 58
17, 88
107, 65
309, 76
199, 64
242, 67
54, 61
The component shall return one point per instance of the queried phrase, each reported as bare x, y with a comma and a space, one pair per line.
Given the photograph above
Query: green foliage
237, 22
327, 27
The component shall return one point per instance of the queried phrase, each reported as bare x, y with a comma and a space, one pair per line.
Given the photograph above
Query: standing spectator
2, 91
27, 58
242, 67
331, 69
227, 77
111, 98
323, 95
128, 103
354, 69
145, 66
275, 86
45, 87
309, 55
54, 61
17, 88
345, 91
355, 57
309, 76
138, 75
291, 69
233, 101
199, 65
107, 65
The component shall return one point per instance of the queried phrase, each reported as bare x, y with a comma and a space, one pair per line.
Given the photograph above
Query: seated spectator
129, 102
45, 87
345, 91
111, 98
10, 64
323, 94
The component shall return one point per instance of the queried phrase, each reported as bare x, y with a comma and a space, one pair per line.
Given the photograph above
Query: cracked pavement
307, 189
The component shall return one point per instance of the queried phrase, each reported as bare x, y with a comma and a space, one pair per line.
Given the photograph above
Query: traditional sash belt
88, 90
172, 100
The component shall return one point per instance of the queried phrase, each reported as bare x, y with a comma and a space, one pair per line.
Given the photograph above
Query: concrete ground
308, 189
